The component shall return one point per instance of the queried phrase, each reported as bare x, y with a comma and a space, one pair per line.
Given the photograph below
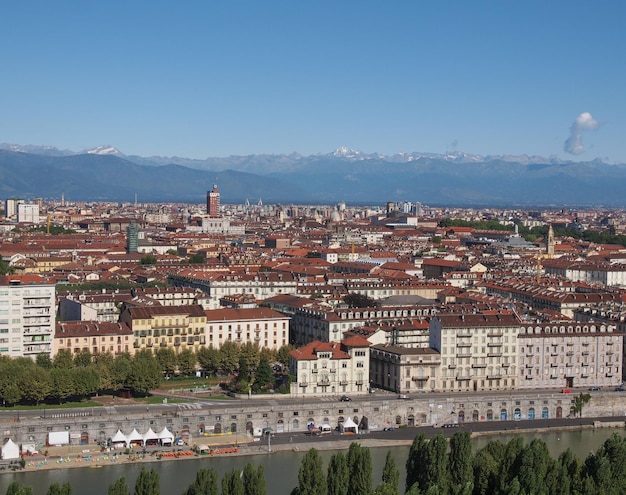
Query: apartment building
177, 327
27, 310
262, 326
95, 337
478, 351
405, 371
331, 368
261, 285
563, 354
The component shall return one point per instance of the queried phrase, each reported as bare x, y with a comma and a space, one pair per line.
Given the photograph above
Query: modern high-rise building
27, 312
132, 237
213, 202
27, 213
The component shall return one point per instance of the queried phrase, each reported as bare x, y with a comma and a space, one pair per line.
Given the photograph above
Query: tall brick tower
213, 202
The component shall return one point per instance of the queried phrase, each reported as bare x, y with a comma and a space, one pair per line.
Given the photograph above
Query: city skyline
205, 79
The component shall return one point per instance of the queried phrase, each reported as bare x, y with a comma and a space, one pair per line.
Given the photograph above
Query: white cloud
574, 143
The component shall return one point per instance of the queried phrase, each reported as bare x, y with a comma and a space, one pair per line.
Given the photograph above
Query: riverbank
69, 457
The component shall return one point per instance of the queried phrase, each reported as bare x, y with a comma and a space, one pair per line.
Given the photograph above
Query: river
281, 467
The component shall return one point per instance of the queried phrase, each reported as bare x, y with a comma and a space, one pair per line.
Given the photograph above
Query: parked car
620, 389
594, 389
450, 425
345, 398
403, 396
388, 428
566, 391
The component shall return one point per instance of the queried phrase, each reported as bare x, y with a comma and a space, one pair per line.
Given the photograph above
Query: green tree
120, 371
62, 383
338, 475
356, 300
83, 358
166, 358
148, 259
282, 356
360, 468
205, 483
43, 361
60, 489
120, 487
197, 258
86, 381
264, 377
486, 465
147, 483
232, 484
243, 375
16, 488
229, 357
580, 401
209, 359
36, 384
250, 352
145, 373
416, 463
186, 362
390, 478
63, 359
311, 479
460, 462
254, 480
437, 463
103, 363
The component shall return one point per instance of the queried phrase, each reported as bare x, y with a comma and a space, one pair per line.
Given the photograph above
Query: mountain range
454, 179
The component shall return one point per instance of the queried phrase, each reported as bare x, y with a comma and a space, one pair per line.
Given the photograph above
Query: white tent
166, 437
135, 438
10, 450
119, 438
350, 426
150, 437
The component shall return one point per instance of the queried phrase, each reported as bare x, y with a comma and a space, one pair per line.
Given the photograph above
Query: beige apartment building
93, 336
478, 351
404, 370
177, 327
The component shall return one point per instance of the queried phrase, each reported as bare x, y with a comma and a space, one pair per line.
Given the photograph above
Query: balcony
495, 334
494, 344
303, 384
569, 353
585, 353
494, 377
494, 354
343, 382
609, 353
479, 365
452, 366
314, 370
464, 344
463, 378
324, 383
505, 365
419, 378
463, 334
464, 355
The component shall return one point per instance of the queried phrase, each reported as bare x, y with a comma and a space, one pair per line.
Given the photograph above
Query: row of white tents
134, 438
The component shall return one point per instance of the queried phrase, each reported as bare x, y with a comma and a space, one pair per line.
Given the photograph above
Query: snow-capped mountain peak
104, 150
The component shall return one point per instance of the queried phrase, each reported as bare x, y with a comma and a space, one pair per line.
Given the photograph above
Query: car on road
450, 425
620, 389
594, 389
345, 398
403, 396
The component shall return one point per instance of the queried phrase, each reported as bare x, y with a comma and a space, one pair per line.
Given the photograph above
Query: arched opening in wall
517, 414
475, 415
295, 425
531, 413
410, 420
544, 413
280, 426
572, 412
503, 415
423, 419
489, 415
84, 438
340, 421
398, 419
102, 438
233, 427
201, 428
218, 428
461, 416
559, 412
249, 427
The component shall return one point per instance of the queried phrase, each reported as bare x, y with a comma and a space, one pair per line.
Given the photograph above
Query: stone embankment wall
195, 420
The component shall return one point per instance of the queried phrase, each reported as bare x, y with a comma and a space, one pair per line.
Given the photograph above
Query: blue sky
218, 78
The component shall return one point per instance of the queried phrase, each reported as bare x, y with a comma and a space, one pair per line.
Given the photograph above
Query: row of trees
84, 374
433, 468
